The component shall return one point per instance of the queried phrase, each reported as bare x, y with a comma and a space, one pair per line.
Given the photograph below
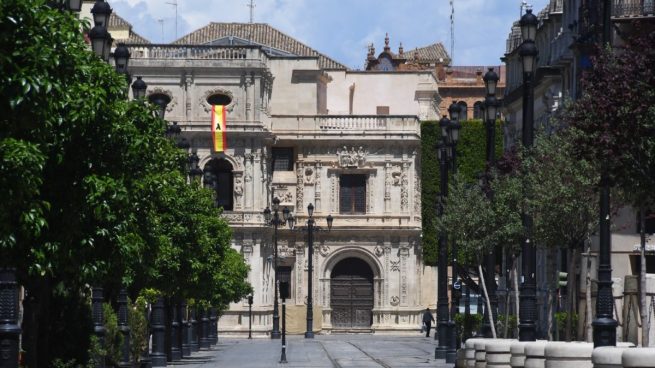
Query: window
382, 110
477, 110
352, 194
464, 111
218, 176
282, 159
219, 99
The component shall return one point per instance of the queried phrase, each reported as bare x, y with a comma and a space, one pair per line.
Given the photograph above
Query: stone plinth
568, 354
638, 358
517, 351
534, 354
498, 353
469, 352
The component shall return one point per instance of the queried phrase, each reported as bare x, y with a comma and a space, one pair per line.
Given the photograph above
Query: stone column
387, 187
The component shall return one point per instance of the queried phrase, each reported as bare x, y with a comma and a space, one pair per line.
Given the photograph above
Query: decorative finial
416, 54
386, 42
401, 51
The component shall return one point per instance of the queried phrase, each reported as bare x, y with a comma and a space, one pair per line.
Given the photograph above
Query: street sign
457, 285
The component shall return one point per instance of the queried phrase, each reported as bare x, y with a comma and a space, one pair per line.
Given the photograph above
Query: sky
342, 29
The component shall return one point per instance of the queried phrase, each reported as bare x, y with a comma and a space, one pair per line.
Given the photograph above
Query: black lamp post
604, 324
528, 307
124, 329
99, 330
101, 12
186, 327
139, 88
273, 218
157, 318
442, 271
311, 227
9, 328
451, 137
491, 109
100, 41
250, 316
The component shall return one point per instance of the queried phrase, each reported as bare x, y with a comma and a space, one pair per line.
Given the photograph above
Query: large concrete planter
534, 354
469, 352
608, 356
480, 354
517, 350
638, 358
461, 359
498, 353
568, 354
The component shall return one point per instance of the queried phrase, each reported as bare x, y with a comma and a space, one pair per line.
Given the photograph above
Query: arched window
218, 176
464, 111
477, 110
219, 99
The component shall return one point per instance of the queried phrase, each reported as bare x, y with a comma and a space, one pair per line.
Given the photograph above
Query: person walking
427, 321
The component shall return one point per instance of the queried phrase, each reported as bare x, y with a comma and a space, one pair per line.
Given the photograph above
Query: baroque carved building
303, 128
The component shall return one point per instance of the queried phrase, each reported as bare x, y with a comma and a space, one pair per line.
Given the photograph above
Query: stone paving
329, 351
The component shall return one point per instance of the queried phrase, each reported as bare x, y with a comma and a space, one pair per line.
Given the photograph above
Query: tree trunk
645, 326
486, 297
590, 331
515, 277
552, 268
570, 287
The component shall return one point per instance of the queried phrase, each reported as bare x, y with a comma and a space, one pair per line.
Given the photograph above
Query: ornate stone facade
274, 104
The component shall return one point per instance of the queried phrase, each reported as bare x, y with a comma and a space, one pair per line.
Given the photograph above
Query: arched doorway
218, 176
351, 294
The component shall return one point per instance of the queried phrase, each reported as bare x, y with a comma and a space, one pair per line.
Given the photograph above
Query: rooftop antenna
174, 3
452, 32
161, 23
252, 10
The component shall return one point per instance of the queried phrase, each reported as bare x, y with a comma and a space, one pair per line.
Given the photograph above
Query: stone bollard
560, 354
638, 358
534, 354
498, 353
469, 352
518, 354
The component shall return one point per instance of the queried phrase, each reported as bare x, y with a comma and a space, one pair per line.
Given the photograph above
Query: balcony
633, 8
328, 126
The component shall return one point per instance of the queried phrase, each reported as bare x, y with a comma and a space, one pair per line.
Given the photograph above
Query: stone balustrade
194, 52
329, 125
633, 8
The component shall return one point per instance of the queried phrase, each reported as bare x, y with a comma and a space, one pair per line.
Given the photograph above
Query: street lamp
100, 41
273, 218
194, 172
101, 12
491, 109
604, 324
528, 305
121, 58
161, 100
309, 333
442, 270
139, 88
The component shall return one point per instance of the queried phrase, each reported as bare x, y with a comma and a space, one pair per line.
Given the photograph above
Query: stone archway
351, 294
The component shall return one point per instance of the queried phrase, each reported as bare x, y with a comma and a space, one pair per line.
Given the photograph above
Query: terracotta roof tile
260, 33
115, 21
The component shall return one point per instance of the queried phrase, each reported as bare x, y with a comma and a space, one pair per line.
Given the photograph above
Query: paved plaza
329, 351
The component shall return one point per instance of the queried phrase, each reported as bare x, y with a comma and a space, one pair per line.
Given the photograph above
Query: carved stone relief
404, 189
309, 175
404, 254
379, 251
352, 158
387, 187
162, 91
324, 249
394, 301
300, 188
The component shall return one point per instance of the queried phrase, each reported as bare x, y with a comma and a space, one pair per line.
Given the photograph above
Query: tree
95, 193
615, 123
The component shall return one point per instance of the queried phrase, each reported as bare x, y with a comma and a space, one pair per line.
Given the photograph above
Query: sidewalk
329, 351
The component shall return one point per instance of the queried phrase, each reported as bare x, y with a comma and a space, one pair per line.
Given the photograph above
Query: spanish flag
218, 128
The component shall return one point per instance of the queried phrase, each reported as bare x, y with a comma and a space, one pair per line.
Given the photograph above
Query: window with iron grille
352, 194
282, 159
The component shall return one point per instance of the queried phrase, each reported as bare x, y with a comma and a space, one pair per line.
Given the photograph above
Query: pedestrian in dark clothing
427, 321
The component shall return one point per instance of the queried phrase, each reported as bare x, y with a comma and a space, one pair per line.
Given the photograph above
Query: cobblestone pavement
329, 351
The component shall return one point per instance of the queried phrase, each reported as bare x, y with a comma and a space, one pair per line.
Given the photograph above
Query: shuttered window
352, 194
282, 159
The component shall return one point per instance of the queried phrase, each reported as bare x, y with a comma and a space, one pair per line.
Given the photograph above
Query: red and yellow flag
218, 128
